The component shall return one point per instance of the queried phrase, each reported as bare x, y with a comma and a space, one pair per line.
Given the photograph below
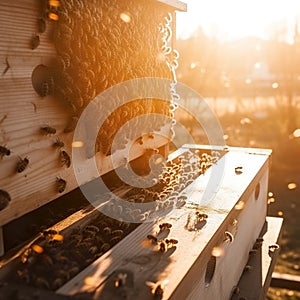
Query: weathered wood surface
235, 208
255, 280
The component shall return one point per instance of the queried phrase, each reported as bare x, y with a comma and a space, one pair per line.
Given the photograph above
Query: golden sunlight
233, 19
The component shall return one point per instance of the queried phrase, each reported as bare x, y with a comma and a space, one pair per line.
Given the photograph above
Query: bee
238, 170
117, 232
164, 226
92, 228
171, 242
49, 232
58, 143
257, 244
48, 130
65, 158
105, 247
115, 239
162, 246
42, 283
61, 258
61, 184
229, 238
22, 164
235, 290
157, 288
24, 275
4, 151
4, 199
92, 250
35, 41
152, 238
107, 230
273, 248
57, 283
200, 216
120, 280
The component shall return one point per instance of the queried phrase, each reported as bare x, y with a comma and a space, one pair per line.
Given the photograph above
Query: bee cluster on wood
169, 181
54, 258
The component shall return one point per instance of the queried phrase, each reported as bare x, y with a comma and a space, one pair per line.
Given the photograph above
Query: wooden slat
254, 282
194, 249
285, 281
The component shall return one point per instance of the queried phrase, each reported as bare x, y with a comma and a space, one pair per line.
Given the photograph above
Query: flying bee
61, 184
22, 164
229, 238
48, 130
157, 288
120, 280
4, 199
35, 41
4, 151
65, 158
164, 226
58, 143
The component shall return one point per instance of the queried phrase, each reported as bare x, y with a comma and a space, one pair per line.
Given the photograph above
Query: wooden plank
178, 5
285, 281
194, 248
255, 280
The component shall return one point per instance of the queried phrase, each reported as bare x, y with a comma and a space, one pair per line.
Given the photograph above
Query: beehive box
208, 254
56, 56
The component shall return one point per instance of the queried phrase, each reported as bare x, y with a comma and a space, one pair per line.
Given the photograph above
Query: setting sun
232, 19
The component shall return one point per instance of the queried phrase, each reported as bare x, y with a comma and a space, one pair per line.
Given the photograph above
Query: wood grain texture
185, 266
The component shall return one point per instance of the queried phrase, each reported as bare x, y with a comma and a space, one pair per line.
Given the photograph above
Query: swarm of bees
53, 258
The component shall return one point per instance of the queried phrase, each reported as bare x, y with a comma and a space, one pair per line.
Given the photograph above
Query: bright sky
231, 19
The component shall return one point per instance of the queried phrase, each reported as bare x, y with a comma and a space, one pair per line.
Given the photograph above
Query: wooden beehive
56, 57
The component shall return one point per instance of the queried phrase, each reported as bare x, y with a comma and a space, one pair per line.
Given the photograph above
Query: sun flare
234, 19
